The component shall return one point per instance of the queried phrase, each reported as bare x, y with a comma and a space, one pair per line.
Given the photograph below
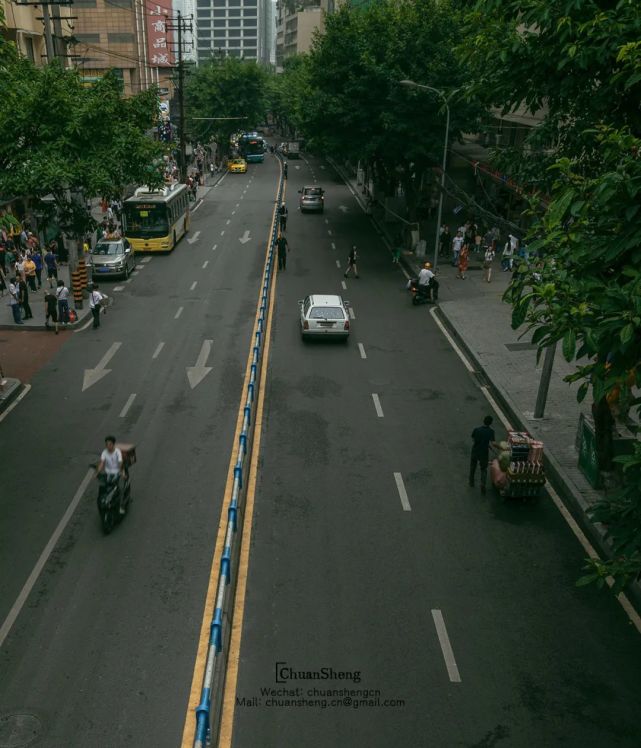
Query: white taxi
324, 315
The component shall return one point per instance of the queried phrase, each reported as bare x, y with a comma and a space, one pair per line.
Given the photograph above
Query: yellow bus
154, 221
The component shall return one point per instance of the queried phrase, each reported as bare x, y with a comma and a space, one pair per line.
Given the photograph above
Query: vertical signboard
159, 39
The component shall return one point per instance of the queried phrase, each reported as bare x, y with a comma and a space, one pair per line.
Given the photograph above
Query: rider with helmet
427, 282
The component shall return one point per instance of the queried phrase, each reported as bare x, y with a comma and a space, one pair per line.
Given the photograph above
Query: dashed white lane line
344, 285
329, 231
214, 248
135, 272
139, 267
351, 313
8, 410
147, 259
179, 312
159, 348
228, 221
238, 205
233, 212
361, 350
128, 404
326, 220
338, 263
333, 245
405, 502
44, 556
377, 405
193, 285
451, 341
446, 647
205, 264
128, 280
222, 233
119, 288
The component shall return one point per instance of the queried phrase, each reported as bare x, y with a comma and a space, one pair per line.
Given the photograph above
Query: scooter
112, 496
422, 294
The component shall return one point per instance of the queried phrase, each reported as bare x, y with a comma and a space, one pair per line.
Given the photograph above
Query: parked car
237, 165
312, 198
111, 257
324, 315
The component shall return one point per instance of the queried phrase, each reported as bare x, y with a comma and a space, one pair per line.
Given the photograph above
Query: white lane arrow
95, 375
196, 374
244, 238
343, 208
194, 237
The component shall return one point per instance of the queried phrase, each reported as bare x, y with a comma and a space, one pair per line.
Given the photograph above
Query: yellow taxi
237, 165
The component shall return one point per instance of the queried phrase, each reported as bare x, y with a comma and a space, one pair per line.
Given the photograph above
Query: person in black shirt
482, 439
283, 248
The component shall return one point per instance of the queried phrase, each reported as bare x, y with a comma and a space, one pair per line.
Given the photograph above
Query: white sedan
324, 316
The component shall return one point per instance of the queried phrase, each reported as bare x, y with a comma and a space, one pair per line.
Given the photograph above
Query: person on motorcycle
111, 467
427, 283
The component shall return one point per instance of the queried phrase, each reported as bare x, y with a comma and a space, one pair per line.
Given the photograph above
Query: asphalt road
102, 652
347, 573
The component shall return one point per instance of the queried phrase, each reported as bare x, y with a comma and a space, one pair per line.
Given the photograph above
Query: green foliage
225, 88
57, 137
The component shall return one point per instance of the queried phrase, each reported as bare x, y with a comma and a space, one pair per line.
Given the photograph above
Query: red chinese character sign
159, 39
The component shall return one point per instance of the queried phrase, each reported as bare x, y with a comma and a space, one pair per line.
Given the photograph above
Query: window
204, 34
234, 53
250, 22
234, 32
249, 3
219, 13
234, 11
203, 3
326, 312
204, 13
219, 34
119, 3
88, 38
120, 38
84, 4
28, 47
234, 22
250, 52
250, 38
250, 12
234, 43
234, 3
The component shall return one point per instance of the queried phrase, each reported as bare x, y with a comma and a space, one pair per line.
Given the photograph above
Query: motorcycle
114, 492
422, 294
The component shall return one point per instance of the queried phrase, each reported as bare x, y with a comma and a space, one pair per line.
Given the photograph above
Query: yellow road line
189, 729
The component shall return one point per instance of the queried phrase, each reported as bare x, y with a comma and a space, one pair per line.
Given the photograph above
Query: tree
61, 139
354, 106
231, 88
580, 63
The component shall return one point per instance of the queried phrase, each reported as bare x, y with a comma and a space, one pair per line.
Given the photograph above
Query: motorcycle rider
111, 468
427, 283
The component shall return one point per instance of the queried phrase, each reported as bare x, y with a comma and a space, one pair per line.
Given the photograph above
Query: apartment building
296, 23
24, 27
128, 36
187, 10
233, 28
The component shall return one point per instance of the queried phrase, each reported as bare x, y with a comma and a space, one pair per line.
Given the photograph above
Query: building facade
233, 28
296, 23
25, 28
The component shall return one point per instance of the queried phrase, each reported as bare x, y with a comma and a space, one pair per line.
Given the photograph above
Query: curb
570, 496
42, 328
18, 388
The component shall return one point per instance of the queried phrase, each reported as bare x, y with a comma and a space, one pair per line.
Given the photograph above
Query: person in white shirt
427, 281
111, 465
95, 299
457, 244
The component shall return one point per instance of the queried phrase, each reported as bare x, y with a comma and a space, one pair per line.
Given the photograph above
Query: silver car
324, 316
112, 257
312, 198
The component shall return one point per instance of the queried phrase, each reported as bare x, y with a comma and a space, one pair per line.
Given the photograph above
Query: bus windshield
146, 220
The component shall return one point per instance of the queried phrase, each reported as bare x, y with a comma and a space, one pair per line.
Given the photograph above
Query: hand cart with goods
518, 471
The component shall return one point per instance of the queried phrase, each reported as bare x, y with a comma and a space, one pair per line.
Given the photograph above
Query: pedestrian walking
444, 239
95, 300
482, 439
52, 266
30, 273
463, 261
507, 256
283, 249
62, 295
351, 262
24, 298
396, 254
283, 213
51, 309
37, 261
14, 300
488, 259
457, 243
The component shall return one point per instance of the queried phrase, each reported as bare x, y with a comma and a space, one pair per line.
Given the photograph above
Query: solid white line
446, 647
338, 263
351, 313
221, 179
44, 557
9, 408
147, 259
377, 405
402, 492
205, 264
85, 326
178, 313
128, 404
451, 341
497, 410
193, 285
119, 288
200, 202
361, 350
159, 348
344, 285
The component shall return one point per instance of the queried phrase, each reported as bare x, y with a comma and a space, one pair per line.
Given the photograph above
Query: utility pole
46, 20
544, 384
180, 27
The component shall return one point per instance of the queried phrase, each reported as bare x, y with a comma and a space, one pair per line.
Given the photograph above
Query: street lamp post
412, 84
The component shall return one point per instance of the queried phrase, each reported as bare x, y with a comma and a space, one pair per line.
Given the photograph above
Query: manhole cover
18, 730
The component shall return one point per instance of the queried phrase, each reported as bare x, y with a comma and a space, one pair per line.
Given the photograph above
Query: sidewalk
477, 317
